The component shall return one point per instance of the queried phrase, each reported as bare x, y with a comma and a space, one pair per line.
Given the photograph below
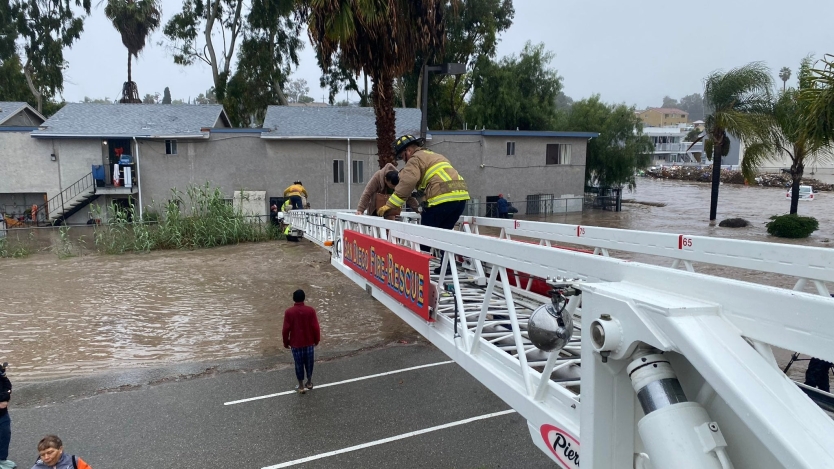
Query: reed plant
201, 217
16, 247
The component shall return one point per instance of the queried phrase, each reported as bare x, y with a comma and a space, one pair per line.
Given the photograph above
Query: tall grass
17, 247
199, 218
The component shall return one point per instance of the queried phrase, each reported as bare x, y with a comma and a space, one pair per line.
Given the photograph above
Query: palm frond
755, 155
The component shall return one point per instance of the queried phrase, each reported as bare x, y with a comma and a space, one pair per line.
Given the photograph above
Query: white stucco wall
25, 165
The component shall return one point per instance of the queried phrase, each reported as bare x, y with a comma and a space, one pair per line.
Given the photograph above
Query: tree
379, 39
670, 103
148, 99
621, 148
296, 90
202, 28
206, 98
737, 103
516, 92
13, 85
788, 134
692, 135
784, 75
106, 100
819, 97
693, 104
472, 30
337, 77
563, 102
166, 96
45, 28
178, 101
135, 20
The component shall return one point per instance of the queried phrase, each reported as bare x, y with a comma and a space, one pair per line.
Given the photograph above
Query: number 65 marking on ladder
684, 242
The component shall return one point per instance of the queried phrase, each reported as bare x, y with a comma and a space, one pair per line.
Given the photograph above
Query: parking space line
325, 385
388, 440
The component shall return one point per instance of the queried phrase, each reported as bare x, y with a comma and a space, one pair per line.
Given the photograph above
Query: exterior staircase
68, 202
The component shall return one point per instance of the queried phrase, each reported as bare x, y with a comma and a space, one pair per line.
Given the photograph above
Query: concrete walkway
352, 423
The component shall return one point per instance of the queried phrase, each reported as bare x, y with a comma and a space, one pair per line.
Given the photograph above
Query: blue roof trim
238, 131
17, 129
517, 133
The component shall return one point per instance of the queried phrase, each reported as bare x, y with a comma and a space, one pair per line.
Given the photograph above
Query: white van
805, 193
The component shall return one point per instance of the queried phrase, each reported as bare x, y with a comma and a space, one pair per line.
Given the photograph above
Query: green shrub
792, 226
199, 218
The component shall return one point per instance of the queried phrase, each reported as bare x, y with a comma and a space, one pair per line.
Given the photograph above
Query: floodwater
98, 312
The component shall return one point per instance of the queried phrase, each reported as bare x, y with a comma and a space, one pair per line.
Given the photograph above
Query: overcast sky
627, 51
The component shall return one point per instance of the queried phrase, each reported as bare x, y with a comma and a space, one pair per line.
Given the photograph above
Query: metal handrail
57, 203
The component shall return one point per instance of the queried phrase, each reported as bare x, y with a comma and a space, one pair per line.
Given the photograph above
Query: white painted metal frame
697, 316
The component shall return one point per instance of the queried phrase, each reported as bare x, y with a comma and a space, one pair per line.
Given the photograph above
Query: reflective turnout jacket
295, 189
431, 173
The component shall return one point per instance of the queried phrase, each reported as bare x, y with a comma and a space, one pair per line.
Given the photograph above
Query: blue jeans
295, 200
5, 436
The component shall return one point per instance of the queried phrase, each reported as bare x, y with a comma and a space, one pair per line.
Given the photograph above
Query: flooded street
102, 312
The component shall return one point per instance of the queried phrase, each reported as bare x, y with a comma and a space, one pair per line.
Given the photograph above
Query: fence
534, 205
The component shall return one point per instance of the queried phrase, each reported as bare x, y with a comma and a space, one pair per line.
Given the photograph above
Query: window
558, 153
357, 174
338, 171
170, 147
510, 148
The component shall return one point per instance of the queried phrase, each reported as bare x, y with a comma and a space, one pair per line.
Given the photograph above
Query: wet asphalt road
184, 424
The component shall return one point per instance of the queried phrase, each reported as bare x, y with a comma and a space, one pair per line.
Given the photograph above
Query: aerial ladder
612, 362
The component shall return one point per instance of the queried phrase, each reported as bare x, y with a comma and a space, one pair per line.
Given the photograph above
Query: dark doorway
115, 148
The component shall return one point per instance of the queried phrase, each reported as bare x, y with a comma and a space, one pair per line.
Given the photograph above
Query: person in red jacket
302, 334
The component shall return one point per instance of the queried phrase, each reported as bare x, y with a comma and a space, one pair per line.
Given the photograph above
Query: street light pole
445, 69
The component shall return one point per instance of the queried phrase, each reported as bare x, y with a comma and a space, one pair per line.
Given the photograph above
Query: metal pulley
550, 327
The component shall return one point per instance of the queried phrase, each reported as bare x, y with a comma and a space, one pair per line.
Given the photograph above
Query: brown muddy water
102, 312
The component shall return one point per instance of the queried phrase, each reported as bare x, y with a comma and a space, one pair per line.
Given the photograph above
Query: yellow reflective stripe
449, 197
433, 170
396, 201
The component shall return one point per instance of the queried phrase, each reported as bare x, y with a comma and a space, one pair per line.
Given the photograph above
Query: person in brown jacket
382, 182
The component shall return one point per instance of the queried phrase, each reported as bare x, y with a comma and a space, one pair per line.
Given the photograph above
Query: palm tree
788, 134
134, 20
380, 39
819, 97
784, 75
737, 103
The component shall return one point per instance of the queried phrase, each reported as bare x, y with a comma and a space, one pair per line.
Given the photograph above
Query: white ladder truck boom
616, 363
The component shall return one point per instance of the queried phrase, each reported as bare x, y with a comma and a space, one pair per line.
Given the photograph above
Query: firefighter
431, 173
295, 192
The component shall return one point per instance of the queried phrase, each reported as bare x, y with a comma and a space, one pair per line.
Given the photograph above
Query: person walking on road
5, 419
382, 182
52, 455
302, 334
295, 192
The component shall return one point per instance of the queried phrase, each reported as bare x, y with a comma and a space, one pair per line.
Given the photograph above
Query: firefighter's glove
381, 210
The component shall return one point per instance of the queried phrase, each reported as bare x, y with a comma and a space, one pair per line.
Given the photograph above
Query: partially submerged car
805, 193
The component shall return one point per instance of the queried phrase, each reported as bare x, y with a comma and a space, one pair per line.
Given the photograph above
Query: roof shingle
132, 120
340, 122
9, 109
